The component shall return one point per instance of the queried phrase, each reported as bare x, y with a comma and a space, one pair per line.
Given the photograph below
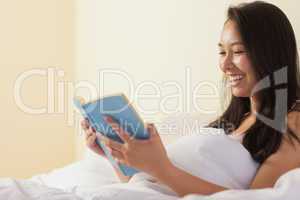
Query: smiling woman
258, 43
259, 59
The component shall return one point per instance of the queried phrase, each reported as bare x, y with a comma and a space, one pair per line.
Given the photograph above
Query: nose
226, 63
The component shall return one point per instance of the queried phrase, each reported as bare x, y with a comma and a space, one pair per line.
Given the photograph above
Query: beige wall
34, 34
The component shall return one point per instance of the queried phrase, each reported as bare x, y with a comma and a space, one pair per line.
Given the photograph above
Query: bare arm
134, 153
275, 166
285, 159
159, 166
184, 183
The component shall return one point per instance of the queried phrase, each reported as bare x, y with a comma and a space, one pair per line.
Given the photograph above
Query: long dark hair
271, 46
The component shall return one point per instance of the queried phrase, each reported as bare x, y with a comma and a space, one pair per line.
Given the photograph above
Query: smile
234, 80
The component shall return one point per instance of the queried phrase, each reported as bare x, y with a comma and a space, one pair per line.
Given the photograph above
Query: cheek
242, 62
244, 65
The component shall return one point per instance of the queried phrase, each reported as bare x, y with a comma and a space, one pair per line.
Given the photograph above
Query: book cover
122, 111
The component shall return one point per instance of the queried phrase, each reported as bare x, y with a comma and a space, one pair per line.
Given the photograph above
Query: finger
122, 161
118, 157
85, 124
111, 143
123, 134
116, 154
89, 132
152, 130
91, 143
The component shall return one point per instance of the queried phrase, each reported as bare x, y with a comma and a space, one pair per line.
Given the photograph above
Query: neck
254, 106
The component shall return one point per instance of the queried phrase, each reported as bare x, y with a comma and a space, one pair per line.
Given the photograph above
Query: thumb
152, 130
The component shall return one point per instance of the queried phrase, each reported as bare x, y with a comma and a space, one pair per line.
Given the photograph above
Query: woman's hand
90, 138
146, 155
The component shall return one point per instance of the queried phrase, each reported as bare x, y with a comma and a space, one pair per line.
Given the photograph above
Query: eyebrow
232, 44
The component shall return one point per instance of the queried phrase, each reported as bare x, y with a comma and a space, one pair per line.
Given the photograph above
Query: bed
94, 179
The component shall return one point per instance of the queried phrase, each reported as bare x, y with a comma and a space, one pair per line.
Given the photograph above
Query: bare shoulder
290, 147
285, 159
288, 155
293, 122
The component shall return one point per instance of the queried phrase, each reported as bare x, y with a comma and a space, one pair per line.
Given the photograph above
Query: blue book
122, 111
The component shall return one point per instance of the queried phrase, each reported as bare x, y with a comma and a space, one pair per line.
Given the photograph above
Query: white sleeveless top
213, 156
237, 137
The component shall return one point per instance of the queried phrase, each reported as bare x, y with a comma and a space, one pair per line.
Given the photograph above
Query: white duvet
213, 157
286, 188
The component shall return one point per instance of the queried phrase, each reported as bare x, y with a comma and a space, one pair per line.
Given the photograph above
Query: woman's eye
238, 52
222, 52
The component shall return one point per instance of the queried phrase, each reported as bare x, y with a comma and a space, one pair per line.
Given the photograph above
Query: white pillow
92, 171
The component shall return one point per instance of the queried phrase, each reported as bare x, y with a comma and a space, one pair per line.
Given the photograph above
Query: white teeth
235, 77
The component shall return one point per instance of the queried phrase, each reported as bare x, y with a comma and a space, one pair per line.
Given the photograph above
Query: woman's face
234, 61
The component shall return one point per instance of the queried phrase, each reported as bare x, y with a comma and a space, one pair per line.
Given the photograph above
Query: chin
238, 92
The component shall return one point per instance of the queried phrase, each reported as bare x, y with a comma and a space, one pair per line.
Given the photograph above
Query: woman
257, 43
